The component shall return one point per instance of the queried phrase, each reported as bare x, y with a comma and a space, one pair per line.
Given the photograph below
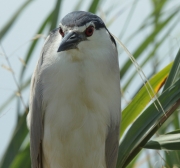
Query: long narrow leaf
9, 24
22, 159
165, 142
174, 72
149, 20
51, 19
147, 123
140, 101
94, 6
54, 20
18, 137
174, 132
13, 95
150, 120
152, 53
78, 5
33, 45
146, 42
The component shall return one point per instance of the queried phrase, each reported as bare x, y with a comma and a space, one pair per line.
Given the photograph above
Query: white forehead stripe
75, 28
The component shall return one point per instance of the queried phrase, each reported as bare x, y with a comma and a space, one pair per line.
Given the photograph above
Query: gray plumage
36, 110
80, 18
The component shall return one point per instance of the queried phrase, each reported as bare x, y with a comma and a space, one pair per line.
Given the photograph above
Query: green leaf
22, 159
144, 44
93, 6
130, 14
10, 22
54, 20
51, 19
131, 112
147, 123
34, 43
78, 5
152, 18
175, 71
174, 132
134, 161
165, 142
17, 139
151, 54
13, 96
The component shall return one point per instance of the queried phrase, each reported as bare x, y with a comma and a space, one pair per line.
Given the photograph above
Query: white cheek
100, 41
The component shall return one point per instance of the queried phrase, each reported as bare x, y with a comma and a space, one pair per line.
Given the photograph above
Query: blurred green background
150, 29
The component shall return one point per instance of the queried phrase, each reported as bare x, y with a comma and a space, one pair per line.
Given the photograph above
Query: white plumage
80, 101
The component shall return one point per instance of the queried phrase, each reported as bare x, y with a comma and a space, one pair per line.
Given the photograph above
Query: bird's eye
89, 31
61, 32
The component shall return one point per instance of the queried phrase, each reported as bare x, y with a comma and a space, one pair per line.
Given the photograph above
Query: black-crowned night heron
75, 97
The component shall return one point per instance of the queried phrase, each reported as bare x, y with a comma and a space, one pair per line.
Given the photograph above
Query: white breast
79, 94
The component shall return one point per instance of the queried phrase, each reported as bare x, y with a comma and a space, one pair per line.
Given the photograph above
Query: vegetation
152, 106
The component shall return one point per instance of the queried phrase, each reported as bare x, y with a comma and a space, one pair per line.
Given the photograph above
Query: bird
75, 100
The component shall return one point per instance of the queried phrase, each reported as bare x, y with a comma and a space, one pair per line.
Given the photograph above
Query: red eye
61, 32
89, 31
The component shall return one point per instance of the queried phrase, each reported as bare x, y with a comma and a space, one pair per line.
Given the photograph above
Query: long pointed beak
70, 41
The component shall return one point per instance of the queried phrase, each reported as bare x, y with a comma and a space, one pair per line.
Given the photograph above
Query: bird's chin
74, 54
71, 51
67, 47
72, 48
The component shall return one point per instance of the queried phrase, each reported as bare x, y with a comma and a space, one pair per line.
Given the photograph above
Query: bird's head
83, 30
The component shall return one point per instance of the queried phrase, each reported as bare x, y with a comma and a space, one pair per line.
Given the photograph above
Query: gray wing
36, 109
36, 121
112, 144
112, 138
